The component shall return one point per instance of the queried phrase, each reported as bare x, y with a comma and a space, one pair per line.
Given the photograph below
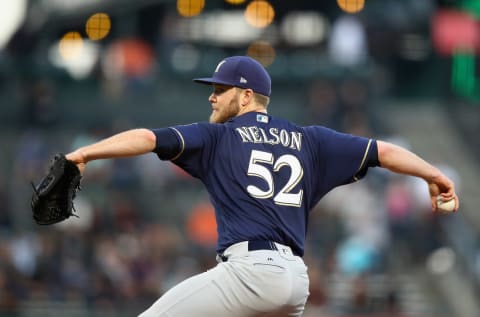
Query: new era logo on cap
240, 71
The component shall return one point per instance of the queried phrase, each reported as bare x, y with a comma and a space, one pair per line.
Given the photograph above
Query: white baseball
445, 206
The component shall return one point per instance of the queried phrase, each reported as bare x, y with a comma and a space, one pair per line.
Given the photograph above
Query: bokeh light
235, 2
304, 28
259, 13
70, 45
351, 6
12, 15
262, 51
78, 65
453, 30
98, 26
190, 8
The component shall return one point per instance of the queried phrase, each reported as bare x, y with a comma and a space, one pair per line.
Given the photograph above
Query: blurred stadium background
74, 71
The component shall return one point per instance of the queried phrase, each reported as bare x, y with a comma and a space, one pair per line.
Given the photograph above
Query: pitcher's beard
225, 113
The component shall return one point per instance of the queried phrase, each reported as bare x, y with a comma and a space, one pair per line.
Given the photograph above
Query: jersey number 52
284, 196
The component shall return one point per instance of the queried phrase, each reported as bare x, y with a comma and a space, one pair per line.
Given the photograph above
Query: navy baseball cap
240, 71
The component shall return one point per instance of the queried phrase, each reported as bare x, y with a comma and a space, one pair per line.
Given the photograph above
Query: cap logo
240, 71
218, 66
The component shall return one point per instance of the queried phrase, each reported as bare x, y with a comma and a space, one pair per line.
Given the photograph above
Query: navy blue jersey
265, 174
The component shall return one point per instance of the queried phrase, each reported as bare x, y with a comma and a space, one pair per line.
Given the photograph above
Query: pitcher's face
225, 103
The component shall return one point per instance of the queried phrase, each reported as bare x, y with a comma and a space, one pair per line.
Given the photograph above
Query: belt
255, 245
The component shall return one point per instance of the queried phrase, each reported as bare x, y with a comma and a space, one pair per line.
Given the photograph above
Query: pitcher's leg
245, 286
199, 296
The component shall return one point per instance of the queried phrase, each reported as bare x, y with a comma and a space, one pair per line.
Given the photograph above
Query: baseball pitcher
264, 175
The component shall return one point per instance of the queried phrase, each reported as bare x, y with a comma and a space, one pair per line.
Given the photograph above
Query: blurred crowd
144, 225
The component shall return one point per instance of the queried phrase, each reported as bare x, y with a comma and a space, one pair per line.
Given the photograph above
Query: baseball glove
52, 199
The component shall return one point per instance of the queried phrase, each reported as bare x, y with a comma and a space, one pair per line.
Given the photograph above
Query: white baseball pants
249, 284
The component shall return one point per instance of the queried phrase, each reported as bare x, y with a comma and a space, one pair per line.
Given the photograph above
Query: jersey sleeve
344, 158
188, 146
168, 143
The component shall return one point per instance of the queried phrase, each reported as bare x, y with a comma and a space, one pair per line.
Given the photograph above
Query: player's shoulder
200, 130
200, 126
319, 130
283, 122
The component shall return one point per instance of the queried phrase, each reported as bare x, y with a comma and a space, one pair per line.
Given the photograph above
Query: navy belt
261, 245
265, 245
255, 245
